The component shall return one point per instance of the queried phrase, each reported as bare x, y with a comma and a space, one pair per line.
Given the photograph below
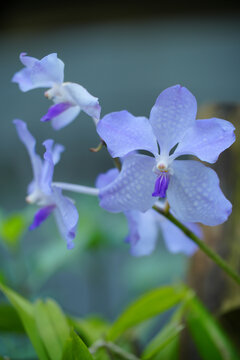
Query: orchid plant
155, 189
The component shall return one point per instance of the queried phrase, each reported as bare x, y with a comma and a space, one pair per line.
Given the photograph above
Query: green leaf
162, 339
10, 320
52, 327
75, 349
90, 329
210, 339
25, 312
167, 339
58, 320
169, 352
12, 229
149, 305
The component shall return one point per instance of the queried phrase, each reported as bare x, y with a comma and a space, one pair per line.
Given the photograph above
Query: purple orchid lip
161, 185
56, 110
41, 215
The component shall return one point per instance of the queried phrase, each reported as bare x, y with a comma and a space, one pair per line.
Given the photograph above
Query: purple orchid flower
42, 192
69, 98
191, 188
144, 227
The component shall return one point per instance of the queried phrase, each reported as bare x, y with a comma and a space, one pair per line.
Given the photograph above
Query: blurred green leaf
75, 349
170, 351
165, 344
58, 320
52, 327
211, 341
151, 304
162, 339
26, 313
10, 320
90, 329
12, 229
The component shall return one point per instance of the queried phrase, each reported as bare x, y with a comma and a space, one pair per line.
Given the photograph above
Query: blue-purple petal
207, 139
56, 152
132, 189
81, 97
66, 216
41, 215
124, 133
56, 110
143, 232
173, 113
29, 141
65, 118
48, 167
176, 241
194, 194
39, 73
106, 178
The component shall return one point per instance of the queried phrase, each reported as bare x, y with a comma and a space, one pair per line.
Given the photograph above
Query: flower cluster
156, 178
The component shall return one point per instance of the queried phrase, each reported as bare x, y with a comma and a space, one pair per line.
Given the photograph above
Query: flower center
163, 172
59, 94
37, 197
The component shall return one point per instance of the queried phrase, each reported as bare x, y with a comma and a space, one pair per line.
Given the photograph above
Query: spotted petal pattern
206, 139
173, 113
124, 133
132, 189
194, 194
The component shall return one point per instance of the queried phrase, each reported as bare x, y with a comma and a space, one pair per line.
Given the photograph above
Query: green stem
201, 244
113, 348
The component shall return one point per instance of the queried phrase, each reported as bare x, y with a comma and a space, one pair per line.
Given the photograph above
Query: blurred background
125, 54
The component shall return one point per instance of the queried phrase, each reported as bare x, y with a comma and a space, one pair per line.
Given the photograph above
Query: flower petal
143, 231
106, 178
66, 216
81, 97
48, 168
41, 215
56, 110
132, 189
176, 241
56, 153
206, 139
65, 118
173, 113
124, 133
194, 194
39, 73
30, 142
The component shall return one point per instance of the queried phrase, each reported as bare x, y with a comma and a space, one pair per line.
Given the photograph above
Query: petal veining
132, 189
123, 133
173, 113
206, 139
194, 194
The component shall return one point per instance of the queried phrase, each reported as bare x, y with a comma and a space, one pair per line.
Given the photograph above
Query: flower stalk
202, 245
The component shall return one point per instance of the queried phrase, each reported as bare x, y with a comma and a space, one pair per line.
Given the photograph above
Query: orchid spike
191, 188
69, 98
41, 191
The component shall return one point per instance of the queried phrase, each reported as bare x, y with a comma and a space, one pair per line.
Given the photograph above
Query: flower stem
202, 245
77, 188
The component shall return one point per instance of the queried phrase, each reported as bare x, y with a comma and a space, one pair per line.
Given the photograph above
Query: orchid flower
69, 98
143, 227
41, 191
191, 188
